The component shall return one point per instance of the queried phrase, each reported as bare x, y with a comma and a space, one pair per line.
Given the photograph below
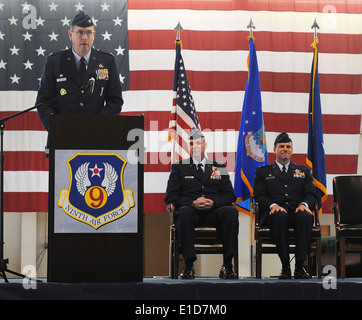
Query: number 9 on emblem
96, 197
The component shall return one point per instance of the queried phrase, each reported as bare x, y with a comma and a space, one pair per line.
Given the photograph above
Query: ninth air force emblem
96, 194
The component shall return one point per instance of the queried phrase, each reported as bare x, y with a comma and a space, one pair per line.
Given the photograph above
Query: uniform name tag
189, 177
61, 79
270, 177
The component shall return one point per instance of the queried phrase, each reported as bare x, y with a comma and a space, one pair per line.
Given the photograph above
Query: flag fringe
179, 42
317, 183
246, 181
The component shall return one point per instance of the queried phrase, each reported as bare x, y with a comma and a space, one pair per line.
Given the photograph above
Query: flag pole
314, 44
251, 26
173, 136
315, 129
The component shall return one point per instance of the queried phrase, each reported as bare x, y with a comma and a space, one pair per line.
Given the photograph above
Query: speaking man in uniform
286, 194
69, 74
201, 191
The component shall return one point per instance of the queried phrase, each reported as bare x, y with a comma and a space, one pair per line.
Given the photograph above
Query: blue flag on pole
252, 150
316, 156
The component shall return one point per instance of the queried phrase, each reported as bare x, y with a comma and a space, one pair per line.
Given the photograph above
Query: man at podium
79, 80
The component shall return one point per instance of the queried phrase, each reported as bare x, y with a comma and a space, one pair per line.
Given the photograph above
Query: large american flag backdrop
215, 48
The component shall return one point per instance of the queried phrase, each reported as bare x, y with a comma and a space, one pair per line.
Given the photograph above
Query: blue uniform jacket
288, 192
60, 77
185, 184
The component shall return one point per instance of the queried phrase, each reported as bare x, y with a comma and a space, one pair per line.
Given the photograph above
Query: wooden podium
96, 199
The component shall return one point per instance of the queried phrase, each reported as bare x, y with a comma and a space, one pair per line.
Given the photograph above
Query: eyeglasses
81, 33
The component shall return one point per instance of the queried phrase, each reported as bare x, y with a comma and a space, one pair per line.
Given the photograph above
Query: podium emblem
96, 194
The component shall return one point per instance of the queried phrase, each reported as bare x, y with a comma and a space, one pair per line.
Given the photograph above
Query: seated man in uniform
285, 192
201, 191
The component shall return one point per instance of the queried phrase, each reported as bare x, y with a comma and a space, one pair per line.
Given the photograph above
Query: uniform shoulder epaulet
104, 52
300, 166
265, 166
177, 163
57, 52
219, 163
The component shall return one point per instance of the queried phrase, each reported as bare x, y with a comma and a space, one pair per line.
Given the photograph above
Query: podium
95, 226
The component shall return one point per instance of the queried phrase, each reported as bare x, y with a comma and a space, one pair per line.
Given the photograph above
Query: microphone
91, 82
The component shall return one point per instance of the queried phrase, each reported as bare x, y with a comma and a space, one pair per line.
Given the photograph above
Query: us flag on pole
29, 31
183, 114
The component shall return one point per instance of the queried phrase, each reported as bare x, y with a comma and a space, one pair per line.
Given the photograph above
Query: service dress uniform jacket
60, 78
186, 184
271, 186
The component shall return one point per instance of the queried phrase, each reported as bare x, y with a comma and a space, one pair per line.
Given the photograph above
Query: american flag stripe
341, 6
231, 40
227, 101
224, 141
18, 140
336, 164
224, 61
230, 20
159, 161
232, 80
18, 201
160, 112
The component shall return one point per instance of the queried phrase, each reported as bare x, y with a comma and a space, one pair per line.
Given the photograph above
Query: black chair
347, 194
207, 241
265, 244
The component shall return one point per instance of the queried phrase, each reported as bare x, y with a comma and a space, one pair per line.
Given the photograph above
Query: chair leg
342, 257
170, 261
258, 259
337, 257
174, 257
176, 260
319, 258
236, 258
310, 264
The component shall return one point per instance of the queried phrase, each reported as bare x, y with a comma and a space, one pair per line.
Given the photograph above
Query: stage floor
202, 288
